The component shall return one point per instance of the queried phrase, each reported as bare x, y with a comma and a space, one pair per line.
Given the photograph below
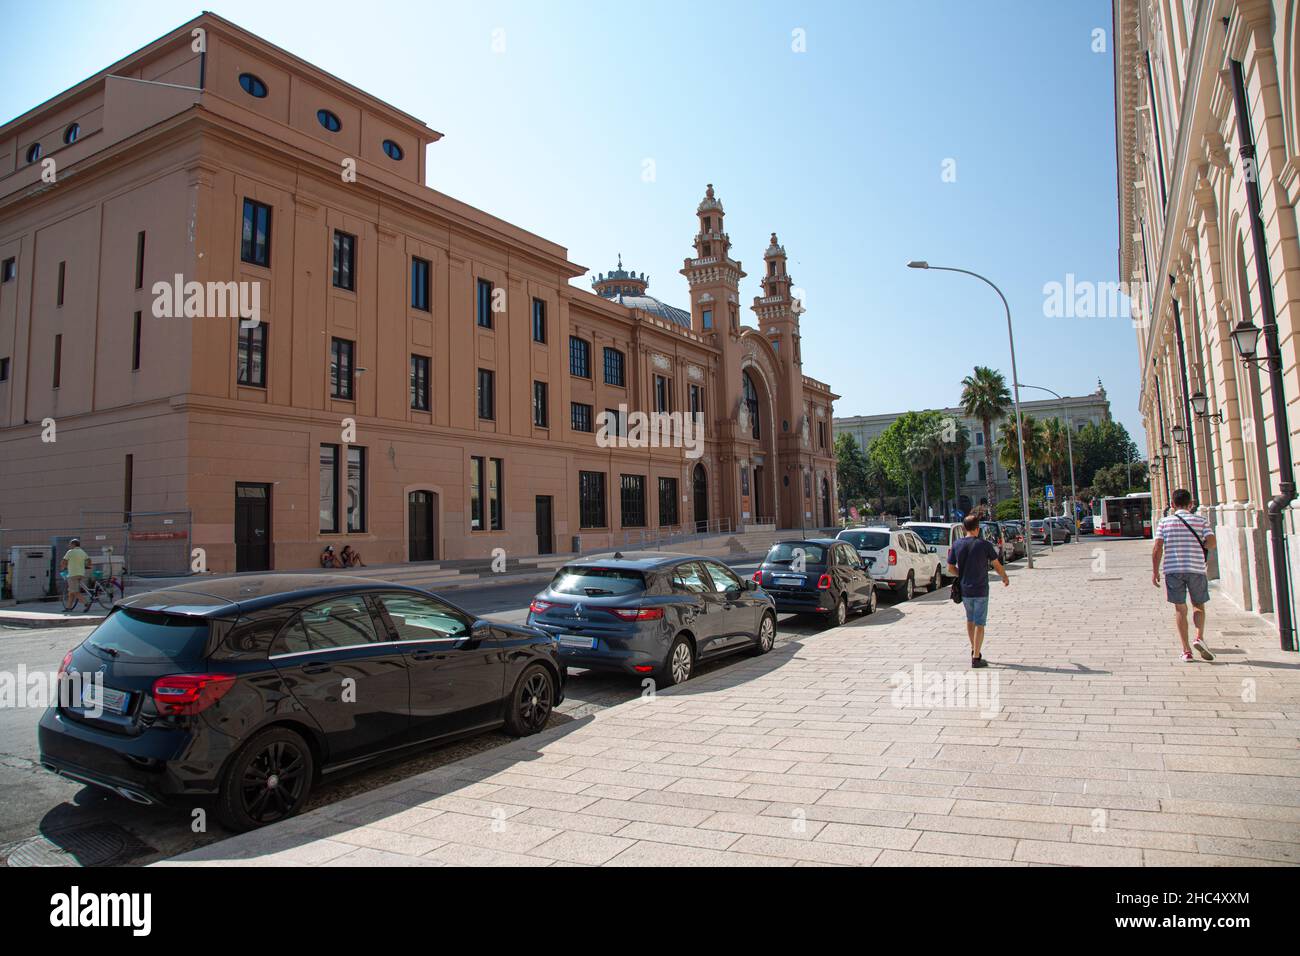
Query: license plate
574, 640
98, 697
788, 579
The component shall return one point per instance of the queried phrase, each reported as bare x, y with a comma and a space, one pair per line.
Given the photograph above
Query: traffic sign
1050, 492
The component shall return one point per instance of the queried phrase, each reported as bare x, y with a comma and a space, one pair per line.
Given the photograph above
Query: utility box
31, 571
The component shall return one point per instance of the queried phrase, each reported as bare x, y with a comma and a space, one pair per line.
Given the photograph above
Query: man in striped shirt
1182, 541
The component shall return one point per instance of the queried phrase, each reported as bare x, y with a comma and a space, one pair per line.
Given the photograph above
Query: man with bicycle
78, 564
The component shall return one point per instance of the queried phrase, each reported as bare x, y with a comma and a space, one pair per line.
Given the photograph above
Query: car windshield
867, 540
785, 552
141, 635
931, 535
597, 582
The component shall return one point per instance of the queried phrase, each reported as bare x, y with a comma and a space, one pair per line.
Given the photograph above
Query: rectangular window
4, 369
979, 438
9, 270
135, 342
614, 423
476, 494
591, 499
420, 284
345, 260
329, 489
356, 495
663, 394
496, 493
580, 416
696, 399
341, 353
632, 500
139, 260
667, 502
252, 355
707, 319
255, 240
420, 383
484, 304
128, 487
614, 374
541, 417
63, 269
579, 357
539, 321
487, 387
58, 360
821, 434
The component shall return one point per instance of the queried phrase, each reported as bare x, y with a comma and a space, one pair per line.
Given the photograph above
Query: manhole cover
100, 844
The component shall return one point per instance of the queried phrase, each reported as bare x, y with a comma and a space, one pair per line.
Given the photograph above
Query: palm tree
1035, 445
984, 396
919, 457
937, 441
958, 445
1056, 450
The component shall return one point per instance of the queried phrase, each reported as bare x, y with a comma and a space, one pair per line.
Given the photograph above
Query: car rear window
931, 535
784, 553
597, 582
867, 540
140, 635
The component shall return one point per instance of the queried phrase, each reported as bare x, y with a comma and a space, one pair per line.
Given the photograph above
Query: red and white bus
1126, 517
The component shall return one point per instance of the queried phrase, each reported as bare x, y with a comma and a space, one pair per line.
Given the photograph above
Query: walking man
1182, 542
76, 562
968, 562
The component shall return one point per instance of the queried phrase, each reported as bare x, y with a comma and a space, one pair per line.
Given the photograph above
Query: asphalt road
45, 819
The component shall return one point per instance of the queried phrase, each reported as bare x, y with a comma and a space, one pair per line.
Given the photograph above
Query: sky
865, 134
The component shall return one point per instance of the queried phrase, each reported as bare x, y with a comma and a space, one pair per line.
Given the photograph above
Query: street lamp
1245, 338
1069, 444
1201, 406
1180, 434
1015, 381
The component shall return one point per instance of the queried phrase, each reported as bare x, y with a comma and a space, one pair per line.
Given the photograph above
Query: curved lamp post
1015, 381
1069, 444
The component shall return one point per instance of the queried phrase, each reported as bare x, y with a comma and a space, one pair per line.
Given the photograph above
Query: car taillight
824, 583
638, 613
758, 577
893, 556
537, 607
190, 693
67, 659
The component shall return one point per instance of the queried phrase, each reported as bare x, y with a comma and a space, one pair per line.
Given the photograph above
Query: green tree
1056, 451
850, 467
1111, 481
1101, 446
1009, 451
984, 396
888, 448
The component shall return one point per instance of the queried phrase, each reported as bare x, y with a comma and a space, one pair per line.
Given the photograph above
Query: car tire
531, 702
679, 665
264, 764
766, 635
840, 614
871, 603
909, 587
937, 581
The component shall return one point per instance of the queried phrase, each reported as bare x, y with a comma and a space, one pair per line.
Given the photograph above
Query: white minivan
897, 559
940, 535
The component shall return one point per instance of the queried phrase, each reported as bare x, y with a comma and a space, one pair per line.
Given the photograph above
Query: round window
71, 133
328, 120
33, 152
392, 149
252, 85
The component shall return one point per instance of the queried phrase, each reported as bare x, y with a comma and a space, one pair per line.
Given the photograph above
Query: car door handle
317, 667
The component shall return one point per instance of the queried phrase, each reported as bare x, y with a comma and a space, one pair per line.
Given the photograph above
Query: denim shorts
1180, 584
977, 610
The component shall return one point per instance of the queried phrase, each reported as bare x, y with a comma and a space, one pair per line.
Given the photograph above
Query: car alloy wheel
841, 611
871, 603
908, 589
766, 634
272, 784
532, 702
680, 661
937, 580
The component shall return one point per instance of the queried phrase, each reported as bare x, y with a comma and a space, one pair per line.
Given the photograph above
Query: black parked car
821, 576
253, 688
652, 613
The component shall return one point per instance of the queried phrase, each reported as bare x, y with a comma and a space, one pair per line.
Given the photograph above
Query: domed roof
648, 303
629, 289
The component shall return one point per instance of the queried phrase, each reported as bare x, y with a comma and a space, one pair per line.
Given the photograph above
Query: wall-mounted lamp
1201, 405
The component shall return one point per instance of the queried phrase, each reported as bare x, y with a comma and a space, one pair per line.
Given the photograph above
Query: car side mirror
479, 631
751, 584
933, 549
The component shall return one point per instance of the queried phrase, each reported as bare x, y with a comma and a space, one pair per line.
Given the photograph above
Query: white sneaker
1205, 652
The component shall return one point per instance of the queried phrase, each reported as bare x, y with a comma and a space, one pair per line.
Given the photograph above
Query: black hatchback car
652, 613
250, 689
820, 576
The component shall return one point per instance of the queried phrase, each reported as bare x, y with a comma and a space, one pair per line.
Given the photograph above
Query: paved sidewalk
1090, 743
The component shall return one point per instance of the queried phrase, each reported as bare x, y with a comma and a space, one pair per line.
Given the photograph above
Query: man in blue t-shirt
968, 561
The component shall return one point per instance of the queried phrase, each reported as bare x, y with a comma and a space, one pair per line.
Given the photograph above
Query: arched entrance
700, 494
421, 526
756, 396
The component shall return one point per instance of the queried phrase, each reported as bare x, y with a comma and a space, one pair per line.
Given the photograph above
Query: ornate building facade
1207, 114
424, 380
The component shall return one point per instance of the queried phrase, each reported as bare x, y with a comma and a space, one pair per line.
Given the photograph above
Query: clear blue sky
840, 149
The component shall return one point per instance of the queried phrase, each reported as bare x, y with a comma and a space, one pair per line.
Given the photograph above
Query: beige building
1207, 107
1077, 410
423, 380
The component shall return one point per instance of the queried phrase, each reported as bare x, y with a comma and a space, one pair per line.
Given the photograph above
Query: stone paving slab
1086, 743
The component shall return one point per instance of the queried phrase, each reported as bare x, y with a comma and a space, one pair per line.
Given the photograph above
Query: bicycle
95, 590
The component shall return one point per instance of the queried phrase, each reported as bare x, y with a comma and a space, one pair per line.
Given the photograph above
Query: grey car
652, 613
1040, 528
